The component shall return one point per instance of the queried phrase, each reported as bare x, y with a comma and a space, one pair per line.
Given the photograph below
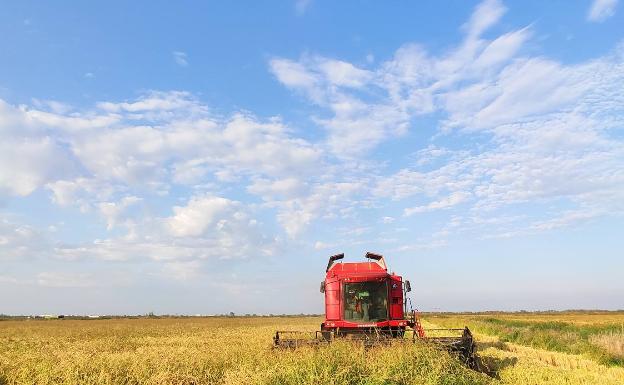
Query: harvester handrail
298, 331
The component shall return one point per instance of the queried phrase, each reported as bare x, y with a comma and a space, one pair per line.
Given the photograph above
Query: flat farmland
514, 348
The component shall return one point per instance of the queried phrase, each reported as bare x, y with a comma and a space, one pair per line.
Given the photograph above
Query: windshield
366, 301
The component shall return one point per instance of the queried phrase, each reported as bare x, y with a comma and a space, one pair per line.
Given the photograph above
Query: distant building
50, 316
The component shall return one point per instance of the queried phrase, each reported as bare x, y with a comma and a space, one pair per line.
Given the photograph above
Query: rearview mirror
322, 286
408, 287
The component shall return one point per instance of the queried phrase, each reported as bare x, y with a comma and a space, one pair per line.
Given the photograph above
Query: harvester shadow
492, 365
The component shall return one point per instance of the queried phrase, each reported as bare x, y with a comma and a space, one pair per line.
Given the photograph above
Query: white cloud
511, 99
175, 140
344, 74
502, 49
113, 211
204, 214
517, 130
221, 227
486, 14
546, 129
296, 75
52, 106
107, 159
454, 199
276, 189
165, 103
28, 163
80, 192
387, 220
180, 58
323, 200
566, 219
367, 107
19, 241
355, 127
601, 10
207, 227
318, 245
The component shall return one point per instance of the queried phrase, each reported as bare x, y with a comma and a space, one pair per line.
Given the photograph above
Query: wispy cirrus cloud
181, 58
367, 106
601, 10
547, 132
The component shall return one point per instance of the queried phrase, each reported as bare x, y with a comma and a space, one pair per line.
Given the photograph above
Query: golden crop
238, 351
205, 351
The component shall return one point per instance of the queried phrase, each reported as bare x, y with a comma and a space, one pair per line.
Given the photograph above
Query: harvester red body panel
346, 308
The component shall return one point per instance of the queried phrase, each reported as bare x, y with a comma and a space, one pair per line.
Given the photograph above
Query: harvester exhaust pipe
374, 256
378, 258
333, 259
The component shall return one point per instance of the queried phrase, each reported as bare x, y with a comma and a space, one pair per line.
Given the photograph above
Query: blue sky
209, 157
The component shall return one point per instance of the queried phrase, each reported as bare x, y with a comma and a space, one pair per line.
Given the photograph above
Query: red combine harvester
363, 302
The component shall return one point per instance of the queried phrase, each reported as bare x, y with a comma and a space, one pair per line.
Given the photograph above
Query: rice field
238, 350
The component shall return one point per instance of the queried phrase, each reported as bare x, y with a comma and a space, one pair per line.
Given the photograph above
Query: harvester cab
364, 302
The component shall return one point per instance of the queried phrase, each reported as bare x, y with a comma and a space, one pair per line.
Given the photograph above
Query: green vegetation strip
555, 336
